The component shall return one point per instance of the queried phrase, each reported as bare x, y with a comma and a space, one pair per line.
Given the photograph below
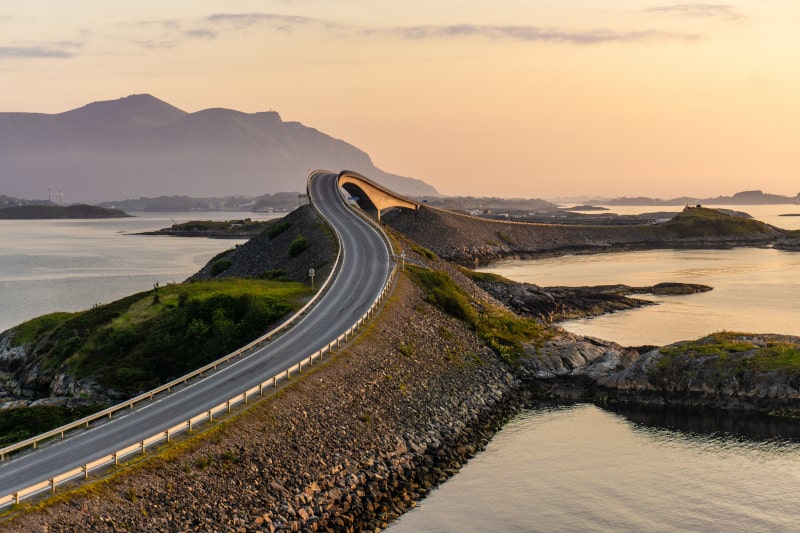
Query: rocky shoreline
472, 241
355, 443
348, 447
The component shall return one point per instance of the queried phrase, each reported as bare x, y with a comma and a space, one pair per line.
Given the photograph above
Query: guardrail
183, 380
165, 435
187, 425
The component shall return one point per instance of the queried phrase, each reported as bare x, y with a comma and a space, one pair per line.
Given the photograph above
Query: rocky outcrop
552, 304
471, 240
25, 382
722, 371
268, 252
789, 242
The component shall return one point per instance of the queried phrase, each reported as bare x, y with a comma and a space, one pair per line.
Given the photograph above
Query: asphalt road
365, 268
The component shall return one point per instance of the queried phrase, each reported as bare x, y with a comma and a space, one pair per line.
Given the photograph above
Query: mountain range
141, 146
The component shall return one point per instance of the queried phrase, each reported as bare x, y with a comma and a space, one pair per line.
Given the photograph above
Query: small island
220, 229
37, 212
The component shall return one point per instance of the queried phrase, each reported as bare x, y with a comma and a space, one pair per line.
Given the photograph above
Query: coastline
350, 446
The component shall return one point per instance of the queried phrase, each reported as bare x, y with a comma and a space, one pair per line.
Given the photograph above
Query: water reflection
715, 423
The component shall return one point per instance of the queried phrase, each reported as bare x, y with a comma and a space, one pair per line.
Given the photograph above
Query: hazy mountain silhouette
141, 146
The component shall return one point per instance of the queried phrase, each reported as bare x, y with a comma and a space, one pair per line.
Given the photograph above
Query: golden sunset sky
522, 98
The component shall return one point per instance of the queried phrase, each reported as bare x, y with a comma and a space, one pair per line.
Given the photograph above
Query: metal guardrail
165, 435
187, 425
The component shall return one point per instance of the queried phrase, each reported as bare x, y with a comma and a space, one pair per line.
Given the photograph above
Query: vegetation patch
298, 246
140, 342
500, 329
276, 274
486, 277
26, 422
278, 227
754, 354
703, 222
424, 252
505, 238
219, 266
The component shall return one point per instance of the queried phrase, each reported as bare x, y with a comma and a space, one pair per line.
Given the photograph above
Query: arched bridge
370, 196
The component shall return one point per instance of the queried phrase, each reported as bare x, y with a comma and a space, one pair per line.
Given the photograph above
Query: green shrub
277, 228
501, 330
276, 274
298, 246
424, 252
219, 266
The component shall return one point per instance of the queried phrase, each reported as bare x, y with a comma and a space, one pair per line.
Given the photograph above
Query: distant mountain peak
143, 109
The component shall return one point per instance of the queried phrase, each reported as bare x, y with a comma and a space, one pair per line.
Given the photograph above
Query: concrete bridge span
370, 196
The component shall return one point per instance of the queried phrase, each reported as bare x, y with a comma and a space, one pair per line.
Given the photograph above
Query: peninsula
77, 211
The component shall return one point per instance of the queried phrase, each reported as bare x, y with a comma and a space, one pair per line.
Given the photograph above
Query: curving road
363, 273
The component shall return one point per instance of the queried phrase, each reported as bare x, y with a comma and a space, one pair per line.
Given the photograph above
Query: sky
514, 98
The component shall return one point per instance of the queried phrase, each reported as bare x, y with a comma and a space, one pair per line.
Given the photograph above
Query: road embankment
348, 447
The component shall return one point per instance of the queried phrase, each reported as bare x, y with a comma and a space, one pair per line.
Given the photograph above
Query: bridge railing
166, 434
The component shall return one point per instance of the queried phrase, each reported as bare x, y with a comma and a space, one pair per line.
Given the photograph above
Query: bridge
372, 197
354, 289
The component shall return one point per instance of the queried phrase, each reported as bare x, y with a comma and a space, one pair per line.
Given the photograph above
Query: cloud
243, 20
537, 34
719, 11
36, 52
201, 34
517, 33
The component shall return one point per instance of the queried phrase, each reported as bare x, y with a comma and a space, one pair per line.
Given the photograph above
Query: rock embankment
347, 448
268, 254
470, 240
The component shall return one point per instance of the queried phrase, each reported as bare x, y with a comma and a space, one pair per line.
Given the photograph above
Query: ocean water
582, 468
71, 265
577, 468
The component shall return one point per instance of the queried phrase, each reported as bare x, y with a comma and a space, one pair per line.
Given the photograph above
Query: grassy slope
145, 339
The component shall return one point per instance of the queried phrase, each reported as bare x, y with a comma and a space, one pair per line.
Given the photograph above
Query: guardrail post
275, 381
260, 389
85, 472
166, 434
16, 498
116, 459
288, 373
142, 446
210, 416
109, 417
52, 485
189, 423
35, 445
228, 405
245, 396
300, 366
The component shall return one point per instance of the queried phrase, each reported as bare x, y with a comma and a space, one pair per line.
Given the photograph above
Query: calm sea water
582, 468
71, 265
576, 468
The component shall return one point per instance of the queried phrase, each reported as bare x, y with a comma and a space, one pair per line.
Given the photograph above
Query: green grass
25, 422
703, 222
277, 228
486, 277
298, 246
774, 356
501, 330
424, 252
141, 341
